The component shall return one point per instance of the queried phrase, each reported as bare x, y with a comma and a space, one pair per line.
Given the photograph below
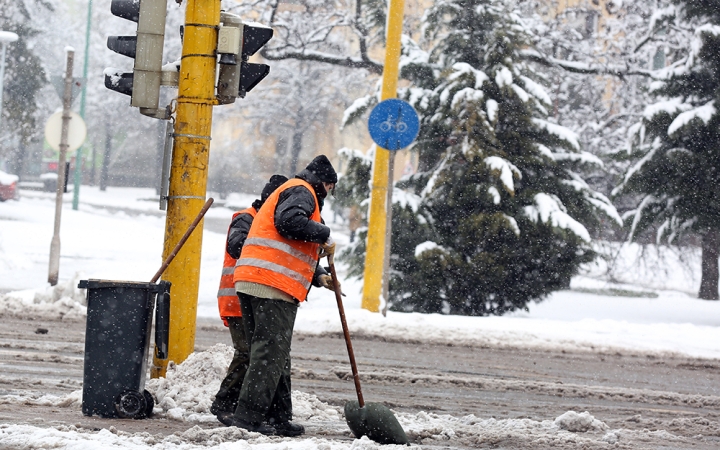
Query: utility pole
54, 267
188, 176
78, 155
379, 203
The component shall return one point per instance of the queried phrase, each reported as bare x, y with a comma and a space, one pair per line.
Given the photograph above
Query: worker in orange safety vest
278, 264
229, 305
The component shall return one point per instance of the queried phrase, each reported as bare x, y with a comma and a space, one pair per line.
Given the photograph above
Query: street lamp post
6, 37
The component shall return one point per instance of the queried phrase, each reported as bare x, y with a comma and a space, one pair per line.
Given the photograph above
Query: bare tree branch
581, 67
309, 55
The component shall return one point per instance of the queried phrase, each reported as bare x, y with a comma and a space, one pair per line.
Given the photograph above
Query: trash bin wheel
150, 403
131, 405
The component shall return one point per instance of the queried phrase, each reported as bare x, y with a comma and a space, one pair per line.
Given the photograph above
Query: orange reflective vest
228, 302
272, 260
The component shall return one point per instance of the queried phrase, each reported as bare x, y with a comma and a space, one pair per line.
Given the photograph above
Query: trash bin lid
100, 284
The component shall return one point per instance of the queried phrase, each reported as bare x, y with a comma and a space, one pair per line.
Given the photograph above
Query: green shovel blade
376, 422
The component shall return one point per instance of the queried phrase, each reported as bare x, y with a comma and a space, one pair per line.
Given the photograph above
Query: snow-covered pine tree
499, 214
676, 146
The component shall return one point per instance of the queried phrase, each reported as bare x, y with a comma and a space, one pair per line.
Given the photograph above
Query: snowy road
628, 354
648, 401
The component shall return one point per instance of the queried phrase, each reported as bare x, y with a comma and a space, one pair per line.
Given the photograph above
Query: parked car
8, 186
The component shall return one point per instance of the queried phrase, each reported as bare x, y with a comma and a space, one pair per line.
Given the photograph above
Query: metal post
106, 156
78, 154
388, 234
377, 222
188, 175
54, 268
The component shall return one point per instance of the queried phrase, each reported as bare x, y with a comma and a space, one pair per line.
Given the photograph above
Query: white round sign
76, 131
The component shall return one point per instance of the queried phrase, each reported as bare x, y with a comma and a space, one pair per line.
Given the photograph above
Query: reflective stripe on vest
254, 262
283, 247
272, 260
228, 303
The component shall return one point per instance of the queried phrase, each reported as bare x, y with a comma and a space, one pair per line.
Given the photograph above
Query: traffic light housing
254, 37
146, 48
237, 42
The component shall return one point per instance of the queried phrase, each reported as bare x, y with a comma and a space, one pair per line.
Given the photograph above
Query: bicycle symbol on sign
399, 126
393, 124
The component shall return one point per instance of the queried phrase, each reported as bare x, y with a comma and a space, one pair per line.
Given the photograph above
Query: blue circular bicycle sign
393, 124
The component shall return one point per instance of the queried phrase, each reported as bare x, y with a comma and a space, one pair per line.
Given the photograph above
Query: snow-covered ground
650, 307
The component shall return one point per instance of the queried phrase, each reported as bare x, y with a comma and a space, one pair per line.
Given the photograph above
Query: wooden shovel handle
351, 354
182, 240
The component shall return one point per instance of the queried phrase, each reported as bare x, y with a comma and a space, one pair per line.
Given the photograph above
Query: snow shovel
373, 420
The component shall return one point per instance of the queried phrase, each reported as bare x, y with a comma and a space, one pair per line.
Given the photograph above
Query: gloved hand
328, 248
326, 281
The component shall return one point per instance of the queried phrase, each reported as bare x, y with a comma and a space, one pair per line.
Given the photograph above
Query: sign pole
54, 267
388, 234
78, 155
378, 209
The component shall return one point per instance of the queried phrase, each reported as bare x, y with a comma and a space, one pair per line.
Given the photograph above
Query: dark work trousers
266, 390
229, 392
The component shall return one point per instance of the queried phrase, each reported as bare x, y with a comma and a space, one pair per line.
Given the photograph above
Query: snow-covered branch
329, 58
583, 67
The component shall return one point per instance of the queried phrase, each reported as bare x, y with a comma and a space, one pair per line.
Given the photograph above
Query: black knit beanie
275, 182
322, 169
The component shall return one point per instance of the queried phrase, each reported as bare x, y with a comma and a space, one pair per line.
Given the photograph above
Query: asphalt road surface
629, 391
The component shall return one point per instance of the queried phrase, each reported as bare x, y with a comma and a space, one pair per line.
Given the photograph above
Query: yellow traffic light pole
188, 176
374, 256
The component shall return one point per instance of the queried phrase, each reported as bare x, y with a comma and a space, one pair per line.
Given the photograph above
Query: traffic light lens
125, 45
254, 37
252, 74
127, 9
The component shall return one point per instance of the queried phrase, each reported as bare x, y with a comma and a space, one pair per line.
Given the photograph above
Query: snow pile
188, 389
73, 399
583, 422
441, 431
307, 407
435, 429
27, 436
64, 301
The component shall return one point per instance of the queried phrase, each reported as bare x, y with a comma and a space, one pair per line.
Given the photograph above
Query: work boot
224, 417
261, 428
288, 429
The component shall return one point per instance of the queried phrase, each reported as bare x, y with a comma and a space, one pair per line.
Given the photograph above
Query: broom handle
346, 332
182, 240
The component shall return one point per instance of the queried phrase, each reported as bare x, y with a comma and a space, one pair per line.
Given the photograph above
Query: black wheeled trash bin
117, 340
